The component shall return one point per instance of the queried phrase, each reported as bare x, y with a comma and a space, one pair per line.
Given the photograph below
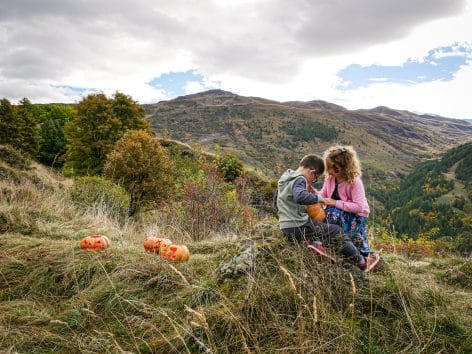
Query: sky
404, 54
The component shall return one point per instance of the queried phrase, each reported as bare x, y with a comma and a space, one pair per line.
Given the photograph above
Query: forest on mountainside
434, 201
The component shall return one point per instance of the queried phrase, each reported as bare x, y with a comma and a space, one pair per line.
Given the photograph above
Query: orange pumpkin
165, 244
316, 212
95, 243
153, 243
172, 252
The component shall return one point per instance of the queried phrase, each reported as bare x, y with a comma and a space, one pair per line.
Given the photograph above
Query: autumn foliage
142, 166
98, 124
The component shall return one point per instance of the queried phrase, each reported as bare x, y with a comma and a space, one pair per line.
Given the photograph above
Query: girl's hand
311, 189
330, 202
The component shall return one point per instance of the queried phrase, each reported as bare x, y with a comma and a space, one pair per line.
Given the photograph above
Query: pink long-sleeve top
352, 195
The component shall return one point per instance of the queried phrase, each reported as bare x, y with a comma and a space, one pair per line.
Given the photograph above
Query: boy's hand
330, 201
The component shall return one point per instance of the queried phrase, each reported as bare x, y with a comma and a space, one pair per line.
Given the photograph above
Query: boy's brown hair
313, 162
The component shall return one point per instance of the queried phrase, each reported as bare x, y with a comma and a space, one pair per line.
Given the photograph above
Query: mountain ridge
272, 135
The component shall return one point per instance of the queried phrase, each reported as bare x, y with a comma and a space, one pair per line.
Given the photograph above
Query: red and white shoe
372, 260
317, 248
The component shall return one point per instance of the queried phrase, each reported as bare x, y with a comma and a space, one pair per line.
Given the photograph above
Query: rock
263, 236
240, 264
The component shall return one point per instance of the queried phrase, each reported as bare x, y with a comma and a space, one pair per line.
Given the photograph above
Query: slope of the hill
435, 199
251, 293
272, 135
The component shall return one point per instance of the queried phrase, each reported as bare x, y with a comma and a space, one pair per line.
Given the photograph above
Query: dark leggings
329, 234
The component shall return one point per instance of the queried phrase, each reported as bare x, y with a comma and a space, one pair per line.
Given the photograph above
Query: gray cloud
342, 26
47, 40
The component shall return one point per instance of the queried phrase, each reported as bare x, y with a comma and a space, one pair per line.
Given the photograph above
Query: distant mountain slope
272, 135
435, 199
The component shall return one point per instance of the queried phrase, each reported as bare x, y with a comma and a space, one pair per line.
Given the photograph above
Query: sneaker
362, 266
372, 260
317, 248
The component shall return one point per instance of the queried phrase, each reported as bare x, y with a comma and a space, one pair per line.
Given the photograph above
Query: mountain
435, 199
271, 135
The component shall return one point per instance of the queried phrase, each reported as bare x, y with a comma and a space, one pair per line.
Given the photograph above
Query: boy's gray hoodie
290, 213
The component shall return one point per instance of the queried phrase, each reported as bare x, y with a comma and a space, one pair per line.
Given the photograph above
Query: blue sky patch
173, 83
440, 64
74, 90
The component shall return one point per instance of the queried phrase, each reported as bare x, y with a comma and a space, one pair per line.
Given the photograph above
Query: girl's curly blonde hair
345, 157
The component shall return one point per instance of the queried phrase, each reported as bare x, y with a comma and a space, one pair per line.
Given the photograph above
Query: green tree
9, 125
142, 166
98, 124
18, 126
53, 119
30, 129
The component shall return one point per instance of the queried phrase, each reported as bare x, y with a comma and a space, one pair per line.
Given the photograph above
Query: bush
211, 205
142, 166
204, 205
415, 249
13, 157
230, 167
461, 275
99, 192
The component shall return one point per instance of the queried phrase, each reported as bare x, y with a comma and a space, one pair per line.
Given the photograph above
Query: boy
292, 198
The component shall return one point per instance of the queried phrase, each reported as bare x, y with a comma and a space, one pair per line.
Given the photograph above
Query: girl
344, 195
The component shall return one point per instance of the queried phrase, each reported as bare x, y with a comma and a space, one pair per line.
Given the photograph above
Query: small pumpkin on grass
316, 212
95, 243
173, 252
153, 243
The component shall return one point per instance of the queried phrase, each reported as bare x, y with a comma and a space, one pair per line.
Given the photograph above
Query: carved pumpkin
95, 243
172, 252
153, 244
316, 212
165, 244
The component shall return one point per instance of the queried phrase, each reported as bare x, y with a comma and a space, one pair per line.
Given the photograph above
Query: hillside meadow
244, 289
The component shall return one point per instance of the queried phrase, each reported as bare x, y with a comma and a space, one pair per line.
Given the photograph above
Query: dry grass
56, 298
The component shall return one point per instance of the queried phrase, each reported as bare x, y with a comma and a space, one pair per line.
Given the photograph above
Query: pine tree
18, 126
9, 124
29, 127
53, 143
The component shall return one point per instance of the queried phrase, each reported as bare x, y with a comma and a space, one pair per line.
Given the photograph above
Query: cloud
258, 47
446, 98
439, 64
342, 26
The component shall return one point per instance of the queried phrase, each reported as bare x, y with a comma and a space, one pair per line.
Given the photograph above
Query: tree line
100, 136
103, 137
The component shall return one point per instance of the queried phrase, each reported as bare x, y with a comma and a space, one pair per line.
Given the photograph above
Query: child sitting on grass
292, 199
344, 196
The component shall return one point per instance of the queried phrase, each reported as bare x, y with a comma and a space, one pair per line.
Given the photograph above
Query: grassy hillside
272, 135
244, 289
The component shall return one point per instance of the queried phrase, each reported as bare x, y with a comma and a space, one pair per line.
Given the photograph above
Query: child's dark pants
329, 234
